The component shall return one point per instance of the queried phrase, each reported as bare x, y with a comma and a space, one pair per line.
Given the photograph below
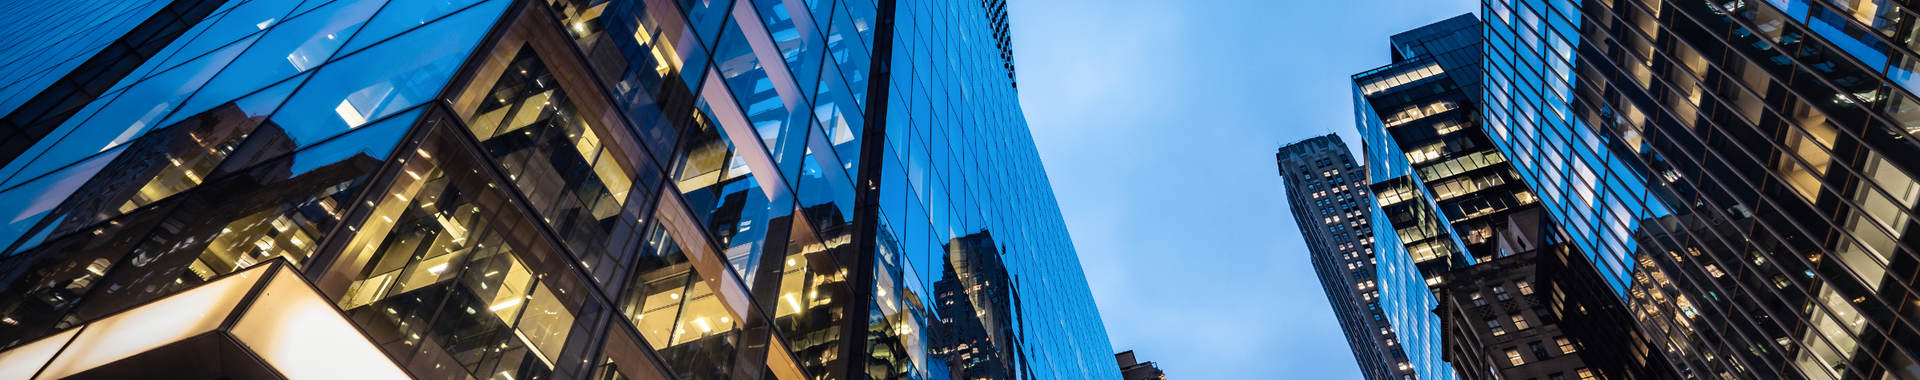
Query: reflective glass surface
1741, 171
575, 189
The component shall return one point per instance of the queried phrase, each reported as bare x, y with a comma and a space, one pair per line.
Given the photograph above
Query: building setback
1327, 194
1133, 369
529, 189
1463, 244
1742, 173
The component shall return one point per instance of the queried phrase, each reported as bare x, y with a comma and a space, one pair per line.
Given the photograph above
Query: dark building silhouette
1327, 194
1133, 369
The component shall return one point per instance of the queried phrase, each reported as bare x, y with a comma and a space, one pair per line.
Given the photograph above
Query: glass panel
238, 221
451, 278
759, 97
219, 30
383, 79
804, 311
677, 312
562, 163
400, 16
840, 117
723, 193
24, 206
798, 37
298, 45
53, 278
127, 117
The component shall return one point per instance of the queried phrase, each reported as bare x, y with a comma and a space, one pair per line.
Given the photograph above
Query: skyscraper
526, 189
1742, 172
1461, 243
1327, 193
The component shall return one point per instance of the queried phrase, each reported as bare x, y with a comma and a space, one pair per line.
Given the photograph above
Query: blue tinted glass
840, 118
705, 16
822, 11
383, 79
244, 19
23, 206
861, 14
258, 104
309, 5
844, 45
135, 111
374, 141
401, 16
758, 95
262, 103
296, 46
798, 39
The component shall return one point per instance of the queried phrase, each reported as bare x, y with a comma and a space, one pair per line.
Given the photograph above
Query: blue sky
1158, 121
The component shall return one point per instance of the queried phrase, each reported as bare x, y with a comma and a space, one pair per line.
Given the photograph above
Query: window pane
383, 79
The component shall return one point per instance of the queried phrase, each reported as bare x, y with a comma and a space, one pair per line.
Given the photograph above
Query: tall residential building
1742, 172
1327, 193
1461, 239
542, 189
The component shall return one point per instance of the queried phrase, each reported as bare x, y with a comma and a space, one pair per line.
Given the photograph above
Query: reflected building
1462, 241
62, 56
528, 189
974, 316
1741, 172
1327, 194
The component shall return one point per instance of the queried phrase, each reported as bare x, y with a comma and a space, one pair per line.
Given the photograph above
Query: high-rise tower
1327, 193
1462, 244
529, 189
1742, 172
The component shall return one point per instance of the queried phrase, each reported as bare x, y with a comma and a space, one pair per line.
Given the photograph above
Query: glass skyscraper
1462, 246
1327, 194
521, 189
1741, 171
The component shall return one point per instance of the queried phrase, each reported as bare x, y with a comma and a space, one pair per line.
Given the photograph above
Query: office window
1519, 322
1585, 374
1526, 288
1477, 299
1539, 351
1500, 292
1566, 346
1494, 326
1513, 357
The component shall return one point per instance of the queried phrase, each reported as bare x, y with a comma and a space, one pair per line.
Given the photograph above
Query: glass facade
523, 189
1417, 128
1327, 193
62, 57
1457, 227
1740, 171
1404, 296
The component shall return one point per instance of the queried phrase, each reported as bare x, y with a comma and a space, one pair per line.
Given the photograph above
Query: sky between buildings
1158, 121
